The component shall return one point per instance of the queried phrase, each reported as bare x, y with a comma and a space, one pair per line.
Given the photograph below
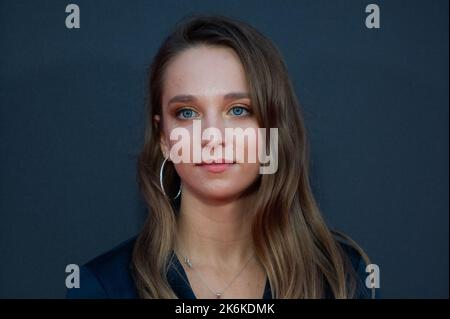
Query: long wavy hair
301, 256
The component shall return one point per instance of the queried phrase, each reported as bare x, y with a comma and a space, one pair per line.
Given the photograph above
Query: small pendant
188, 261
218, 295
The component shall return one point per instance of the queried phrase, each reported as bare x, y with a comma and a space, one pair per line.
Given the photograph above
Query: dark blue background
72, 118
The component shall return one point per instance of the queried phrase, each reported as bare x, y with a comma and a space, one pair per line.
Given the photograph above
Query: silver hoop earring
161, 179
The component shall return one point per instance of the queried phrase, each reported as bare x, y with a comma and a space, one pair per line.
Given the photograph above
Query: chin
215, 192
219, 194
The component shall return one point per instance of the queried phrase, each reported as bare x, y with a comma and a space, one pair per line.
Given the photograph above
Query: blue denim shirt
110, 276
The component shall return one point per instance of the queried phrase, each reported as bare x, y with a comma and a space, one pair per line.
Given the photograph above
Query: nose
213, 125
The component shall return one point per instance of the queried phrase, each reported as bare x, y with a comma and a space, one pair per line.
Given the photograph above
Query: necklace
218, 294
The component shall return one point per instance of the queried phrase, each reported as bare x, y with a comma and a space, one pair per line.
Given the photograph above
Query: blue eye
186, 114
239, 111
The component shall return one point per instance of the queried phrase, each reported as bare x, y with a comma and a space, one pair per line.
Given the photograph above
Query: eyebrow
187, 98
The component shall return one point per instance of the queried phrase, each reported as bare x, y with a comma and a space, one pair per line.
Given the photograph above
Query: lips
216, 166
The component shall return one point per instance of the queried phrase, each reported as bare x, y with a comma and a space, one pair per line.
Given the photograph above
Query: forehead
204, 71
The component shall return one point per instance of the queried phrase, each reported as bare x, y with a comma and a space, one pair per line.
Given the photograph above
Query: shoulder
358, 261
108, 275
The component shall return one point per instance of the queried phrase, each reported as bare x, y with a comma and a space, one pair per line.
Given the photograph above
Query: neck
214, 232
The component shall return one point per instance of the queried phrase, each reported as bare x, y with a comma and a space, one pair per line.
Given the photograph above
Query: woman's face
208, 75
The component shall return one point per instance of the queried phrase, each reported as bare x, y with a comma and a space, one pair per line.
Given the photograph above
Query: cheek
247, 147
248, 172
180, 142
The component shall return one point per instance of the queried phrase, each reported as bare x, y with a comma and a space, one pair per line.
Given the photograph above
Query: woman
222, 229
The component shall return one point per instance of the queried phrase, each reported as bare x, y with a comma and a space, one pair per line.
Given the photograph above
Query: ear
162, 137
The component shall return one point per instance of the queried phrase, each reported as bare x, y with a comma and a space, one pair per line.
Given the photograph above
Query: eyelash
244, 107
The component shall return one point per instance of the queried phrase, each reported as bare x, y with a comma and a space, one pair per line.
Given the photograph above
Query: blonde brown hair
301, 256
